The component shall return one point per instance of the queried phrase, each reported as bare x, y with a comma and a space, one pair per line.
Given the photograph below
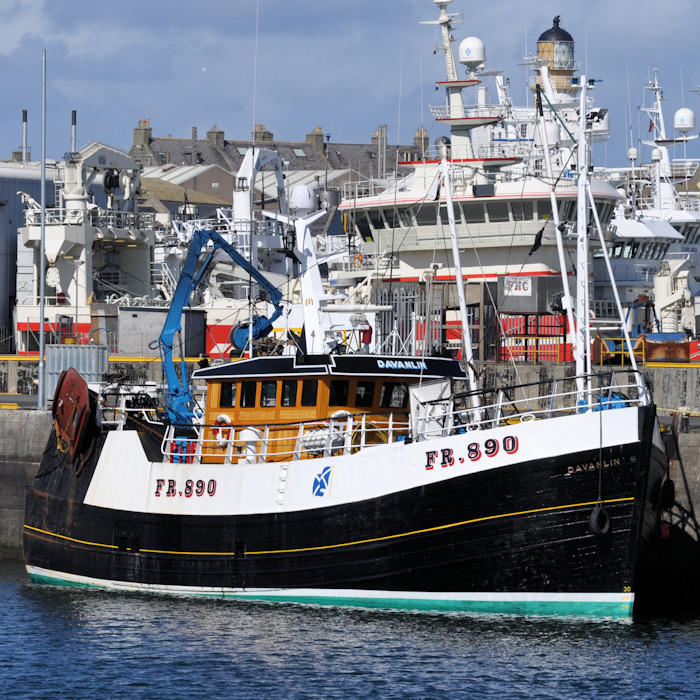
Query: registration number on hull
169, 488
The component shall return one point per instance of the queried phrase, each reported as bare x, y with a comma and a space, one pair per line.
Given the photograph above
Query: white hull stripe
589, 604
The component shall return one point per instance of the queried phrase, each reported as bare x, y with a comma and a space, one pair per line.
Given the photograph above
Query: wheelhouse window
364, 394
289, 392
268, 394
498, 211
544, 210
406, 216
309, 392
568, 211
248, 394
363, 227
394, 395
375, 218
444, 217
474, 212
426, 214
522, 211
338, 393
227, 399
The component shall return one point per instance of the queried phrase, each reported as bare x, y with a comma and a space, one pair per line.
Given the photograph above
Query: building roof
170, 192
178, 175
315, 154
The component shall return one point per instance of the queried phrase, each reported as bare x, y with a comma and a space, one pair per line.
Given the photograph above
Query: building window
299, 152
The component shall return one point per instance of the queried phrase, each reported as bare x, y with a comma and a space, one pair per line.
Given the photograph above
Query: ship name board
402, 364
592, 466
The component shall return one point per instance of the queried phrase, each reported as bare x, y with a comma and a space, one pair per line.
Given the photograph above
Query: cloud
345, 66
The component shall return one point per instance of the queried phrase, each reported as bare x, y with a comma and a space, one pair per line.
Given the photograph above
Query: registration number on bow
169, 488
446, 457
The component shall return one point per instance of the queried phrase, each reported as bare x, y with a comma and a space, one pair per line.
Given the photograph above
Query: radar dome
472, 52
684, 120
302, 198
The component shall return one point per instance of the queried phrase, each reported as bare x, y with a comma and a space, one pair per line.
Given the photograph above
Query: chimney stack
143, 133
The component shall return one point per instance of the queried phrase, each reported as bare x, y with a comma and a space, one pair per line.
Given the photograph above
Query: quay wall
25, 431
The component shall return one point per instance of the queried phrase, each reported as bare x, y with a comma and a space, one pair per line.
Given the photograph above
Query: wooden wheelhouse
283, 408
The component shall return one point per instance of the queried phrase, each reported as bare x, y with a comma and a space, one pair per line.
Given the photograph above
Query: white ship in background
98, 246
502, 191
656, 228
108, 265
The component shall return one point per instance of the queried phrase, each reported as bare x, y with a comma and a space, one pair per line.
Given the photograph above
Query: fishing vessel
348, 478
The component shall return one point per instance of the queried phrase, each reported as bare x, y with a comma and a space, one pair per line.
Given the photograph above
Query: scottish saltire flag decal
321, 482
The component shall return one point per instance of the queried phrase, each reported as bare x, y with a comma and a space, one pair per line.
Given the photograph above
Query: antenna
398, 126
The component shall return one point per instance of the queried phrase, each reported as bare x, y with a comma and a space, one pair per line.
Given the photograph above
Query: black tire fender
599, 521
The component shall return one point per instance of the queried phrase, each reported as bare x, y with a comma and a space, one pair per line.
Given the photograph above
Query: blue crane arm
178, 395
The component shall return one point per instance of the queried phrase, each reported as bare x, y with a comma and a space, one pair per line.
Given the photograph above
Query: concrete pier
24, 435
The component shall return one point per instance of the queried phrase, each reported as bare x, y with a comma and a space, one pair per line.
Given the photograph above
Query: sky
347, 66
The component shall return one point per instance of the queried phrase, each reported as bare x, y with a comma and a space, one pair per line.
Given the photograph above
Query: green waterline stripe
603, 605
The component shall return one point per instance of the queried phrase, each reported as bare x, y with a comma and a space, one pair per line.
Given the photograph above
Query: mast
567, 301
42, 250
582, 348
466, 337
664, 192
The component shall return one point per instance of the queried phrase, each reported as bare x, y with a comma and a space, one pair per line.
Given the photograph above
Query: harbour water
91, 644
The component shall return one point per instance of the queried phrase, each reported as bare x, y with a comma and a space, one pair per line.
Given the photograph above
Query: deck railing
340, 435
347, 433
534, 401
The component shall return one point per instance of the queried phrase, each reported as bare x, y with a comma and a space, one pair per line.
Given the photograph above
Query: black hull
517, 529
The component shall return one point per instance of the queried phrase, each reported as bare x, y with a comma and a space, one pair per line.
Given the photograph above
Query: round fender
599, 521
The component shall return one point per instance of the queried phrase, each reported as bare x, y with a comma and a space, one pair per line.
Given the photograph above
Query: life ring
358, 261
222, 431
599, 521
